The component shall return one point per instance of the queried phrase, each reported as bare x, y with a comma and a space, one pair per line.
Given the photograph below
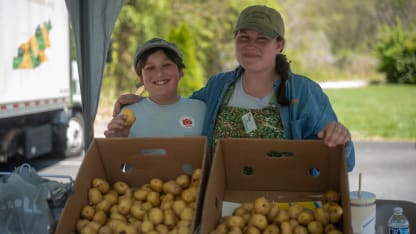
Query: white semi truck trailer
40, 105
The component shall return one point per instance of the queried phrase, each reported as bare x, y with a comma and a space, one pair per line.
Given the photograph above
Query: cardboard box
245, 169
134, 161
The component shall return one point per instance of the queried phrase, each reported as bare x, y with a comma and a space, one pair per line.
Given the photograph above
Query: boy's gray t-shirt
184, 118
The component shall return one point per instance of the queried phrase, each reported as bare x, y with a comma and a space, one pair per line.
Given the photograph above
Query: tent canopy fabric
92, 22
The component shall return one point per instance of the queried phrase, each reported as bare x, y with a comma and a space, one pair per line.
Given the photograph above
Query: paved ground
388, 169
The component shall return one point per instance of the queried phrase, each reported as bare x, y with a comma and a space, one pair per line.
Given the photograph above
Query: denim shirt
308, 113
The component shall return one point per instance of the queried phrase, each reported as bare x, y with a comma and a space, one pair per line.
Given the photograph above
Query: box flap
134, 161
281, 170
297, 166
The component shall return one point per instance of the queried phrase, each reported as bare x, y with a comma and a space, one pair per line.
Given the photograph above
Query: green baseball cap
262, 19
156, 43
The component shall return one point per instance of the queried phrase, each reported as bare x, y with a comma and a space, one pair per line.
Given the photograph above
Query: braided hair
282, 68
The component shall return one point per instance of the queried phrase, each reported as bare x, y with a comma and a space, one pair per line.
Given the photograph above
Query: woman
262, 98
159, 65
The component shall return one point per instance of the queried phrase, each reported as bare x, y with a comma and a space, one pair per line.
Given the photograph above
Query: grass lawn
377, 111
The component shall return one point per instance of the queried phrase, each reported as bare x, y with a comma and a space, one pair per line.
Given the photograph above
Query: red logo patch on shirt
186, 122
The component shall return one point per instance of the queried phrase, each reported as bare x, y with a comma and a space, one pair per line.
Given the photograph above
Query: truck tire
71, 137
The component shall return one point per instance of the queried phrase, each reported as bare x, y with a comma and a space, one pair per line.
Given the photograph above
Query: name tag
249, 122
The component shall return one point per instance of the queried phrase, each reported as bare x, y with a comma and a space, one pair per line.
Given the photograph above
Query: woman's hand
334, 134
123, 100
117, 127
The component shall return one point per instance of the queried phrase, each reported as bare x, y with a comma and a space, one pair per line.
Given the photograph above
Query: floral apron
247, 123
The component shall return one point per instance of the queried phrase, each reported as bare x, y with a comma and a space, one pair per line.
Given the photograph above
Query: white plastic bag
30, 204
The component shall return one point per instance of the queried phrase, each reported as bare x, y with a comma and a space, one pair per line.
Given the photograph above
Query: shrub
396, 52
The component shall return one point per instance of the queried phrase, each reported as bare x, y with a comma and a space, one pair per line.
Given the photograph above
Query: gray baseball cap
262, 19
156, 43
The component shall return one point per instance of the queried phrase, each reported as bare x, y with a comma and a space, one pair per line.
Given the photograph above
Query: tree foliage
193, 73
397, 55
321, 35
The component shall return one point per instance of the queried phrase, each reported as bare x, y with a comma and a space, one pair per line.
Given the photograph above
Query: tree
194, 75
397, 55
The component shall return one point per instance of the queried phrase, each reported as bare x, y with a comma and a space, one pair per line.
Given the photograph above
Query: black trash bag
30, 204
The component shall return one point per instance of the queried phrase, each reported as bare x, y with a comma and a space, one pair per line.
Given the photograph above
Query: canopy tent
93, 22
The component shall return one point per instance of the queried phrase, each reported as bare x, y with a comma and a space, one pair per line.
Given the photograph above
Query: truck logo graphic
32, 53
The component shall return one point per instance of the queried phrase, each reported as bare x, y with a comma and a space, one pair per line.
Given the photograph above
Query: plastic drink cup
363, 212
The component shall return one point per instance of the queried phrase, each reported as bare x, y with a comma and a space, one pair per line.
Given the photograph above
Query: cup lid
366, 197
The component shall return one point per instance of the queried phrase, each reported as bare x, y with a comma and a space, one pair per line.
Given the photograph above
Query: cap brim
253, 26
157, 45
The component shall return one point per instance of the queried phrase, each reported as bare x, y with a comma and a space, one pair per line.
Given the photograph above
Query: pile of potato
264, 216
156, 207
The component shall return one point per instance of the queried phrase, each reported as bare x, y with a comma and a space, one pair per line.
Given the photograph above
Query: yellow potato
94, 225
156, 216
87, 229
187, 214
87, 212
321, 215
252, 230
169, 218
111, 196
81, 223
334, 231
124, 205
196, 176
103, 205
190, 194
235, 230
184, 223
300, 230
329, 227
129, 114
184, 230
147, 205
114, 223
183, 180
334, 210
331, 196
294, 210
293, 222
274, 210
120, 187
221, 228
262, 206
178, 206
282, 216
271, 229
125, 228
305, 217
240, 211
146, 187
94, 196
247, 205
153, 198
117, 216
147, 226
106, 229
140, 194
156, 184
166, 204
100, 217
286, 228
315, 227
138, 211
162, 229
101, 184
236, 221
172, 187
259, 221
